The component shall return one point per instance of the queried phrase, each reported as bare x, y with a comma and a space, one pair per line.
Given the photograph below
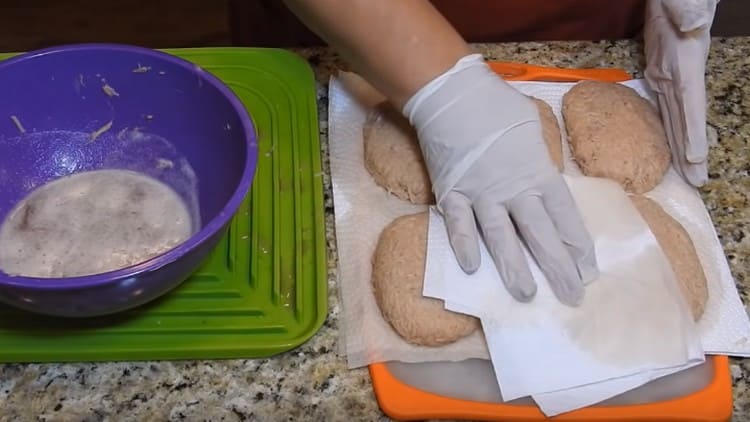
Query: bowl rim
207, 231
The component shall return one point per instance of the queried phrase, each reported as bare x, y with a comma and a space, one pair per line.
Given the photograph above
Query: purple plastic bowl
183, 114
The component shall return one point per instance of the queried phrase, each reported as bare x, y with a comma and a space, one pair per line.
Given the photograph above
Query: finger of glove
694, 173
462, 230
697, 174
563, 212
692, 99
505, 248
687, 94
540, 235
672, 130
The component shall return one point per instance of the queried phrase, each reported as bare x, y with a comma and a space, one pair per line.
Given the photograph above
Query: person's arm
481, 140
398, 46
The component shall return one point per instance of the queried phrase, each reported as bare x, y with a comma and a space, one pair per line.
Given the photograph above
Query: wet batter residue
92, 222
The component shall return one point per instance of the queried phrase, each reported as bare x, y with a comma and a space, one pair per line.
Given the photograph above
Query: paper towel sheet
633, 326
558, 402
362, 210
725, 326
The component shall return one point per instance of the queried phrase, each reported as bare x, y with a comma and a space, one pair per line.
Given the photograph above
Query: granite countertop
312, 382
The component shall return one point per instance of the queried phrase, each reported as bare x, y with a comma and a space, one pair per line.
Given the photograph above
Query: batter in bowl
92, 222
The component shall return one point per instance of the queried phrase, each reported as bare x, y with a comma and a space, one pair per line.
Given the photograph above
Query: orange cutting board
712, 403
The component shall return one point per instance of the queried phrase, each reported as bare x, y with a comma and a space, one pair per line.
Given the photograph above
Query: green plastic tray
263, 290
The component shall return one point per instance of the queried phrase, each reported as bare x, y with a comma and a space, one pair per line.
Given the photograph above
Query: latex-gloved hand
483, 147
677, 41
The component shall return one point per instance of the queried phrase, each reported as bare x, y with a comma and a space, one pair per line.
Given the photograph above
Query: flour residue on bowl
92, 222
111, 92
17, 122
97, 133
141, 69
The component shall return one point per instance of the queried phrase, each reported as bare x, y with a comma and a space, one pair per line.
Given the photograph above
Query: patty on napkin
615, 133
397, 279
680, 251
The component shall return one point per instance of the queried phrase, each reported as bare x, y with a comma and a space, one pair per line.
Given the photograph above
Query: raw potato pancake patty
397, 278
615, 133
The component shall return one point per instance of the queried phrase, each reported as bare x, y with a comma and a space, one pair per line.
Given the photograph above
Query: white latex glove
483, 147
677, 41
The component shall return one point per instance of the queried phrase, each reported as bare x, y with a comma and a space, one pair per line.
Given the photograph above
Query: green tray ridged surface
263, 289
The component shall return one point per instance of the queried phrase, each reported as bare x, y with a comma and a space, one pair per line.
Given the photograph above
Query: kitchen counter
312, 382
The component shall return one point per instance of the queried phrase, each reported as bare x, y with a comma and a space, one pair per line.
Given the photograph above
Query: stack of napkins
633, 326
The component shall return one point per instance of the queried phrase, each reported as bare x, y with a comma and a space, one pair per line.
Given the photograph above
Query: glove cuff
427, 90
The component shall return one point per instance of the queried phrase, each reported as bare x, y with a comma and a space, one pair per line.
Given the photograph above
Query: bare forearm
397, 45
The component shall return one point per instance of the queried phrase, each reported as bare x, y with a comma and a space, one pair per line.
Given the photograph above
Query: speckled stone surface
312, 382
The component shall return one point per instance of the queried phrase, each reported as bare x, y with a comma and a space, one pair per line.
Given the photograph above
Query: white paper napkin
555, 403
362, 210
633, 326
724, 327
